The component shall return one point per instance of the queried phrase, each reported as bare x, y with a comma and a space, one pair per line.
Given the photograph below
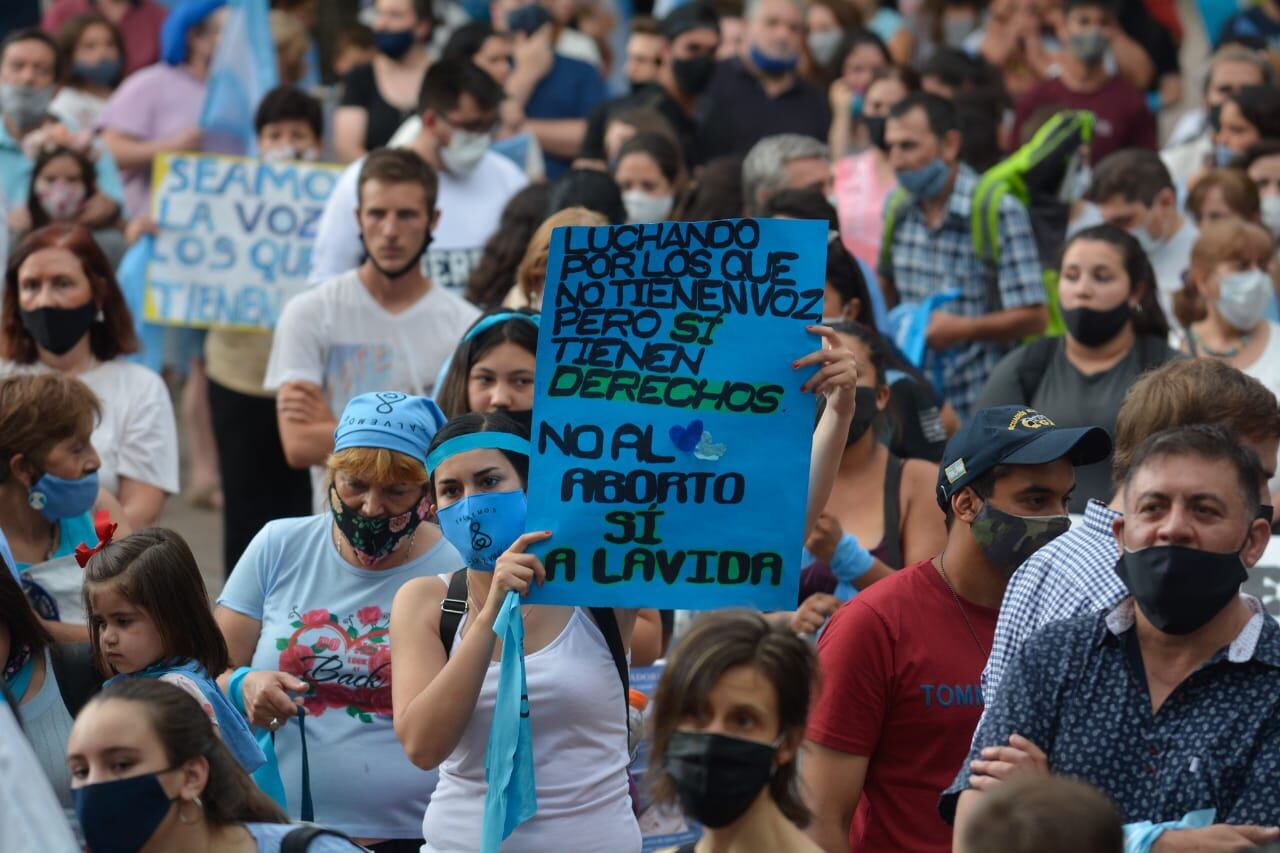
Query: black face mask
1094, 328
693, 75
524, 418
1180, 589
59, 329
1266, 512
396, 273
864, 413
875, 129
716, 777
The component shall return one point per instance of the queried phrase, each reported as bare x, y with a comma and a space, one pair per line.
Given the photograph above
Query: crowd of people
1044, 467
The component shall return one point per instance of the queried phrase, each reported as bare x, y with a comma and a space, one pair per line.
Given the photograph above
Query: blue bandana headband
494, 319
476, 441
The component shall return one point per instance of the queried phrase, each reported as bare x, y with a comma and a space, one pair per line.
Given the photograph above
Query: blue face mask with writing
482, 526
927, 181
56, 498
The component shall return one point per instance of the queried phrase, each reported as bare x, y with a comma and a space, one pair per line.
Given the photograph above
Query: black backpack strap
452, 609
607, 620
300, 838
78, 681
1035, 360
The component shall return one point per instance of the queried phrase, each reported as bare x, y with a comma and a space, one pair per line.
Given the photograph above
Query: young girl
61, 179
149, 617
148, 775
492, 368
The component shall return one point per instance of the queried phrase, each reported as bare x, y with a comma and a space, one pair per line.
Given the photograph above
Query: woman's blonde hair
1226, 239
531, 274
377, 465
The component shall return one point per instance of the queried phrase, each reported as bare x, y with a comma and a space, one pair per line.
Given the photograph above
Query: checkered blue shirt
926, 261
1072, 575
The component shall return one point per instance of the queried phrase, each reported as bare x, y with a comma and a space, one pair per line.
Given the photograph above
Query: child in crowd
149, 617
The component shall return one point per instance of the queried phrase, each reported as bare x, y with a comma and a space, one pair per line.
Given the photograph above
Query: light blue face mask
482, 526
927, 181
57, 498
1223, 156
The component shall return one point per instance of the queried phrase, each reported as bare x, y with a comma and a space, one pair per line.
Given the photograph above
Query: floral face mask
374, 538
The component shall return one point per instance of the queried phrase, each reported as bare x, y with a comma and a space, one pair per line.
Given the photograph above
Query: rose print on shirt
345, 660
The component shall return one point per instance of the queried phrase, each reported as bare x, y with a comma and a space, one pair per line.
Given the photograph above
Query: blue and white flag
242, 71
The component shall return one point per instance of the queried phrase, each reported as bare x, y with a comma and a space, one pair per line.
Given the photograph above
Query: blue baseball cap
1013, 435
389, 420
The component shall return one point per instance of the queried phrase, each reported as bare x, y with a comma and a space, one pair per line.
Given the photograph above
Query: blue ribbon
511, 794
476, 441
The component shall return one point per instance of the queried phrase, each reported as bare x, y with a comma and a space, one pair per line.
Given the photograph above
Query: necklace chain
965, 616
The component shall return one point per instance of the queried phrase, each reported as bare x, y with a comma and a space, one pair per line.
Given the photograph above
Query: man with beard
759, 93
383, 326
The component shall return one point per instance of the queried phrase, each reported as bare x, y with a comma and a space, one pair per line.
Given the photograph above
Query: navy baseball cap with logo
1013, 435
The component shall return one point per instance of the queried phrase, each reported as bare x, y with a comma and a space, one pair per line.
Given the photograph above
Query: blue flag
511, 798
242, 71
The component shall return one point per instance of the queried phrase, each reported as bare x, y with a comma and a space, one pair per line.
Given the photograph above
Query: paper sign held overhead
671, 440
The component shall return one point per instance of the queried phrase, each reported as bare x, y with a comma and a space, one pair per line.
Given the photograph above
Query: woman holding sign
446, 655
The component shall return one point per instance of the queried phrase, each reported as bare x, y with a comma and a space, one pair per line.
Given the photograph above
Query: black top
359, 89
652, 97
736, 111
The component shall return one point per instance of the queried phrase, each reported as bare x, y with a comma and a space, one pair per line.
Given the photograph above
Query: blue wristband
234, 693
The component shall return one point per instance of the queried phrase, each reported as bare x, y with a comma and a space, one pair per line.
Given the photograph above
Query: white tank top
579, 752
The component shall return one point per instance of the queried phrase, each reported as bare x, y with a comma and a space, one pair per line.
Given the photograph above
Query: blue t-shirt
269, 836
327, 622
571, 89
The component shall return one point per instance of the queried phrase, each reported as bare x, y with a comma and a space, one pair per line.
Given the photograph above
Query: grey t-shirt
1071, 399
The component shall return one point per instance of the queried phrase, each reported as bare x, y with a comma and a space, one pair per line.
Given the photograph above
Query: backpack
1040, 174
300, 838
1152, 352
78, 681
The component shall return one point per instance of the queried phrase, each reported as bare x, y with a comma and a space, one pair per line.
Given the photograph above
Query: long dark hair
184, 730
155, 570
88, 177
452, 396
17, 616
495, 274
474, 422
1149, 319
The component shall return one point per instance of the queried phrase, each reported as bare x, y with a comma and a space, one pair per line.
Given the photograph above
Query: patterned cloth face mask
374, 538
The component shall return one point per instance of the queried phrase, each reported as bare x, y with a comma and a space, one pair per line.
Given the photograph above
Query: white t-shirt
470, 207
338, 337
1170, 261
137, 436
82, 108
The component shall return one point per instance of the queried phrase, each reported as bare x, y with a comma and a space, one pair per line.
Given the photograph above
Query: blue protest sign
670, 438
234, 238
662, 825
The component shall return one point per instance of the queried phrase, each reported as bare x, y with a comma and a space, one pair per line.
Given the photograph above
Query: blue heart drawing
686, 438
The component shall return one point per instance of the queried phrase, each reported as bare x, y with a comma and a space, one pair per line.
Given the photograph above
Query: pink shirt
158, 102
860, 199
140, 27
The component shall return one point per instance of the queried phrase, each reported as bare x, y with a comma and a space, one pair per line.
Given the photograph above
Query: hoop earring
199, 807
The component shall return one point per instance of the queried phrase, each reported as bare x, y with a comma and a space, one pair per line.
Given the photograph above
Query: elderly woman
64, 311
308, 609
49, 493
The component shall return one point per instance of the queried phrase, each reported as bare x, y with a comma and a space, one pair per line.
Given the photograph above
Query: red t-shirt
900, 684
1123, 119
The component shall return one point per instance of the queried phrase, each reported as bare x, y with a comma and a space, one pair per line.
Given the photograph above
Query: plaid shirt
1071, 576
926, 261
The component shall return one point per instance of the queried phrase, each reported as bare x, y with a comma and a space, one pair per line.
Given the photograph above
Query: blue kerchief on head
389, 420
184, 16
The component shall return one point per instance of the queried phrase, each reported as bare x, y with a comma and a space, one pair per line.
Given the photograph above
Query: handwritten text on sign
670, 437
234, 238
